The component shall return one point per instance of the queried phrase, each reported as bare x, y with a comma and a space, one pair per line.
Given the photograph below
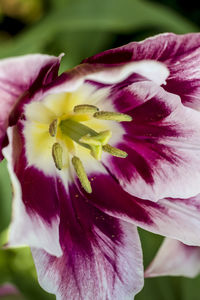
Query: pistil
85, 136
96, 142
75, 130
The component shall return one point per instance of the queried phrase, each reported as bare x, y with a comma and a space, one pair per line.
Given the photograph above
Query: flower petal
162, 143
101, 255
17, 75
71, 80
180, 53
35, 220
175, 218
176, 259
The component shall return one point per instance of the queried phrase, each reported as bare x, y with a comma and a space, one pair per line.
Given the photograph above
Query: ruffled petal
72, 80
162, 142
175, 218
175, 259
17, 76
180, 53
101, 259
105, 75
35, 220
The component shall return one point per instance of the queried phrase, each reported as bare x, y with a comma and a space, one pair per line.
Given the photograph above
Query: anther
85, 109
114, 151
53, 128
57, 152
112, 116
81, 174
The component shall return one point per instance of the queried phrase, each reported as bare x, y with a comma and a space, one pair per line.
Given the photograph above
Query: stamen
82, 176
114, 151
112, 116
53, 128
85, 109
57, 152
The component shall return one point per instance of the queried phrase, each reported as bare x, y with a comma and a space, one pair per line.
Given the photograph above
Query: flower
182, 260
94, 153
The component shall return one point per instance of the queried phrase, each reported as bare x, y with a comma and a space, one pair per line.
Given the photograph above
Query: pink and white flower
90, 154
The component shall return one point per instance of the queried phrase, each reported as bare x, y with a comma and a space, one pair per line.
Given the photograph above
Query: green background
81, 28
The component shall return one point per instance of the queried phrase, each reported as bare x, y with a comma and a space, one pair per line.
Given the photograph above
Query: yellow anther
112, 116
101, 138
85, 109
114, 151
57, 152
81, 174
53, 127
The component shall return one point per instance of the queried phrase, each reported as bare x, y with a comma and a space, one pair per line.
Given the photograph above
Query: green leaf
120, 15
17, 267
77, 46
5, 196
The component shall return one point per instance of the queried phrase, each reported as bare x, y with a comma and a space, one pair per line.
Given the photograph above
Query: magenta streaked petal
175, 259
180, 53
175, 218
162, 143
101, 259
35, 219
20, 74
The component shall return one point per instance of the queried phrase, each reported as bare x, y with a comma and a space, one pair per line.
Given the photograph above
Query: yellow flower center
63, 128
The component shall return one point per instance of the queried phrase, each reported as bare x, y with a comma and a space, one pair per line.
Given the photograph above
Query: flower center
97, 142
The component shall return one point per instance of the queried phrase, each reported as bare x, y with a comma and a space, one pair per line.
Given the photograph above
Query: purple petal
35, 220
174, 218
180, 53
162, 143
101, 255
176, 259
18, 75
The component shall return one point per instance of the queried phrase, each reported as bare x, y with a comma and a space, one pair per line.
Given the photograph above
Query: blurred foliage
81, 28
27, 11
